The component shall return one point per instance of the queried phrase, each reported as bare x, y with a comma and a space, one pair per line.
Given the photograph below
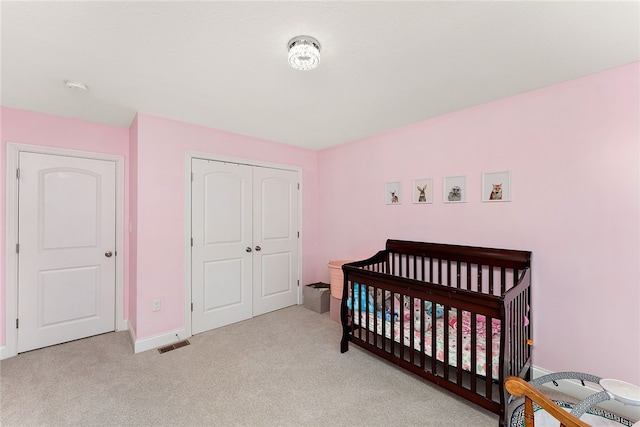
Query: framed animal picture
455, 189
496, 187
422, 190
393, 193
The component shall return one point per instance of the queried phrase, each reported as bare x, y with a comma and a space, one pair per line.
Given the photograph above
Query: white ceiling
223, 64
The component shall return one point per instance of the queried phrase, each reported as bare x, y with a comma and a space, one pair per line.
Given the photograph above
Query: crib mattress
438, 326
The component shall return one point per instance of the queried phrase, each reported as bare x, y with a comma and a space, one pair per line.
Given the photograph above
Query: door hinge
18, 173
298, 234
17, 322
17, 248
191, 306
298, 186
192, 242
298, 283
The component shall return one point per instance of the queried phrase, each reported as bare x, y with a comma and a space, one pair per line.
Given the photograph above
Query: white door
275, 239
66, 273
221, 251
244, 251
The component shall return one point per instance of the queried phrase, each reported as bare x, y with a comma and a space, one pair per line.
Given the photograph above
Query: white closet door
275, 239
222, 244
66, 279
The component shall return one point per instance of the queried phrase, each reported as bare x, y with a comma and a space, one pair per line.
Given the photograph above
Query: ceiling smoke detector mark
71, 84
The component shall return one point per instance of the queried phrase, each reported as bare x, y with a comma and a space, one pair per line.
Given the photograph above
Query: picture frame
496, 186
455, 189
422, 191
393, 193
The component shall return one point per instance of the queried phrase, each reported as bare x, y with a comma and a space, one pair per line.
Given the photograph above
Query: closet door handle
248, 249
258, 248
108, 254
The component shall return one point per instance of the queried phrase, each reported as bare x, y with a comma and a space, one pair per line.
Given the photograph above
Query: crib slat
488, 356
491, 280
434, 333
407, 261
392, 264
503, 279
412, 335
375, 316
401, 322
518, 321
474, 355
366, 310
353, 311
459, 345
393, 326
445, 326
514, 335
422, 333
516, 326
384, 319
516, 276
469, 268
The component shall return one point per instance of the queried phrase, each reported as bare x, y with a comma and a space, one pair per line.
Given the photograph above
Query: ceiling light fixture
304, 53
75, 85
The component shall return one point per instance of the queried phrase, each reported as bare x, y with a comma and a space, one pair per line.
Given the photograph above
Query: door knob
248, 249
258, 248
108, 254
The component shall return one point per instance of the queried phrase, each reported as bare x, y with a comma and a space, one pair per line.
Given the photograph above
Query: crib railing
466, 284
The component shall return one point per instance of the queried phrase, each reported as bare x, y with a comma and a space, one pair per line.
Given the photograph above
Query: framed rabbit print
422, 191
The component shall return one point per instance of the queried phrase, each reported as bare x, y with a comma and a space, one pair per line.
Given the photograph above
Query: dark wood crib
407, 301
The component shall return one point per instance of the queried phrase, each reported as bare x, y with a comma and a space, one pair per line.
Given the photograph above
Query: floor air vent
173, 346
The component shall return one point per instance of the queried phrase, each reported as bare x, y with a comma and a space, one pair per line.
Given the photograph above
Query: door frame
189, 155
11, 226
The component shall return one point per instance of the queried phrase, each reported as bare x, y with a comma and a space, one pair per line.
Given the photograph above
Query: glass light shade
304, 53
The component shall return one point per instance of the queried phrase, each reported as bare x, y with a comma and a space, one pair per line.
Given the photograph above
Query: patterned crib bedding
438, 326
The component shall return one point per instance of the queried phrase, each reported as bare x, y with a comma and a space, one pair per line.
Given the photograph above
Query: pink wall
573, 151
161, 148
574, 157
26, 127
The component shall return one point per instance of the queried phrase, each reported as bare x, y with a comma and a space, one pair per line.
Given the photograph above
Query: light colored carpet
280, 369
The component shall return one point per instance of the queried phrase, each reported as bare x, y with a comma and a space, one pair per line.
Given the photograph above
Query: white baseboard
575, 389
5, 353
144, 344
122, 325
